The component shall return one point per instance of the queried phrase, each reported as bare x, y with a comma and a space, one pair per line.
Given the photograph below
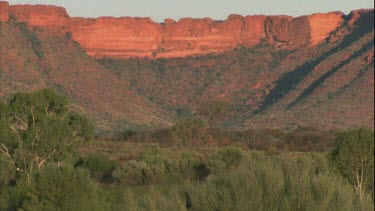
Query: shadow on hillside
330, 72
288, 81
359, 76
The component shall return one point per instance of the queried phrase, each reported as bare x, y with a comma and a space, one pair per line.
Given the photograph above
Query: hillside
328, 86
274, 83
36, 58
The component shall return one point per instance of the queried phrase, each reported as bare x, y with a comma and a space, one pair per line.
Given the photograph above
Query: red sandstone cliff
4, 7
141, 37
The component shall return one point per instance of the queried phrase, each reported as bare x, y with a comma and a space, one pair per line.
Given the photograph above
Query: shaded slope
288, 81
330, 72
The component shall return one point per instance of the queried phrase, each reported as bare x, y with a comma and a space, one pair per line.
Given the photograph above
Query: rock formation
141, 37
4, 8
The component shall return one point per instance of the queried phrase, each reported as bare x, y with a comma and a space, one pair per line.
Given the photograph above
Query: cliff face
4, 15
40, 15
117, 37
141, 37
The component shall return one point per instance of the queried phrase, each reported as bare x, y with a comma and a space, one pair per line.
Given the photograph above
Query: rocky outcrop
355, 15
141, 37
322, 25
4, 8
117, 37
41, 15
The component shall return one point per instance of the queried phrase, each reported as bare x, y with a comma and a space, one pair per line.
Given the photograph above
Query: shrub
274, 183
54, 188
231, 156
100, 167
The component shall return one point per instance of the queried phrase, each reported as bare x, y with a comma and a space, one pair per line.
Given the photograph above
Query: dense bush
273, 183
226, 158
158, 166
259, 182
353, 155
100, 167
53, 188
37, 128
38, 137
63, 188
39, 168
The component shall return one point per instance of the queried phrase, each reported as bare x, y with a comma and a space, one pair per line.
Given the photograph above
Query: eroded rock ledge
141, 37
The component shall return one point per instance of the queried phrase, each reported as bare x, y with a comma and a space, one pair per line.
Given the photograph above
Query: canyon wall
40, 15
141, 37
4, 8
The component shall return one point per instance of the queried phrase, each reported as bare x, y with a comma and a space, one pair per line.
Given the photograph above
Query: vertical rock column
4, 14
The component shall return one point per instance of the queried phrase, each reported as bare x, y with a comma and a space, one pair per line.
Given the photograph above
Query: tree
213, 111
353, 155
37, 128
154, 54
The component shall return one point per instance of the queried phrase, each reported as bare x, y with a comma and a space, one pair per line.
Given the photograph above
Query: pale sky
158, 10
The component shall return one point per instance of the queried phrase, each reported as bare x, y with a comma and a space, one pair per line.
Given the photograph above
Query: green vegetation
38, 137
38, 128
353, 155
215, 154
45, 166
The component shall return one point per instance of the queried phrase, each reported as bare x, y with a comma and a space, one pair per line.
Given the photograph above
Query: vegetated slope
269, 86
328, 86
32, 59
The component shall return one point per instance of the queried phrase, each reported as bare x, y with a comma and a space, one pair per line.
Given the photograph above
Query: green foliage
258, 182
81, 125
53, 188
38, 128
12, 197
127, 133
230, 156
68, 35
274, 183
38, 135
353, 155
63, 188
100, 167
157, 166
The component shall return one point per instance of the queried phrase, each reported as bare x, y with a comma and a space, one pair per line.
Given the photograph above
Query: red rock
277, 28
141, 37
322, 25
40, 15
310, 29
253, 30
117, 37
4, 8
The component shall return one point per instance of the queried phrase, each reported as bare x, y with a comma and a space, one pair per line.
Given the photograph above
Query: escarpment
141, 37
